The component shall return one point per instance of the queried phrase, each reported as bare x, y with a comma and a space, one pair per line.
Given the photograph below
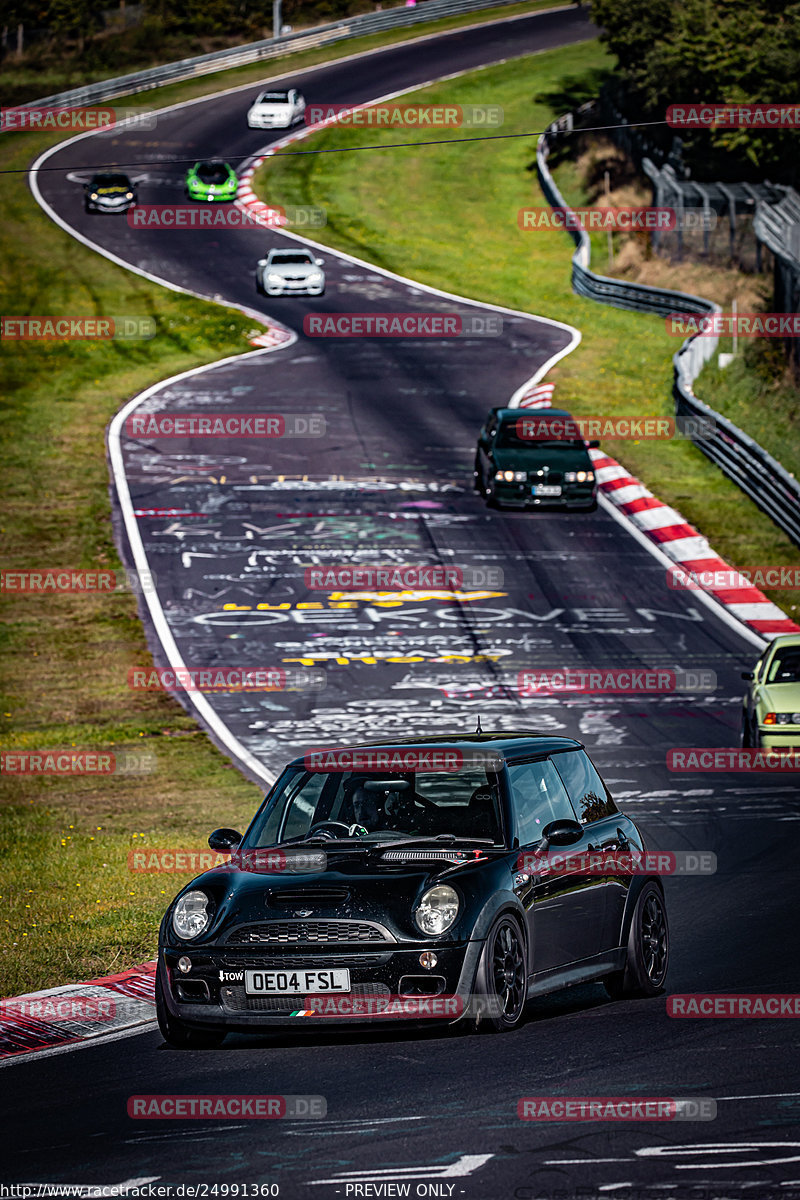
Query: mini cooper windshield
380, 807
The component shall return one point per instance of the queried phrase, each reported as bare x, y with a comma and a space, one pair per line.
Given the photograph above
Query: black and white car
109, 193
290, 271
276, 109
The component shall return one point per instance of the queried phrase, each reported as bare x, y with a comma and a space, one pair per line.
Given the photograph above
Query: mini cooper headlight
438, 909
190, 915
129, 195
93, 196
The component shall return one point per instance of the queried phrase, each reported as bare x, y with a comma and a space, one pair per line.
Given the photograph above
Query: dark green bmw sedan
534, 458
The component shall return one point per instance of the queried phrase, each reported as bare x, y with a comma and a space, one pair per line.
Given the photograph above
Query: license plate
547, 489
290, 983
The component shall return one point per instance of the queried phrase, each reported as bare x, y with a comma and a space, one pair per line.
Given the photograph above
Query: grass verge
447, 216
69, 907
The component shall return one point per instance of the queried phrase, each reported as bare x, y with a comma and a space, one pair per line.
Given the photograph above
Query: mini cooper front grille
266, 933
272, 962
235, 999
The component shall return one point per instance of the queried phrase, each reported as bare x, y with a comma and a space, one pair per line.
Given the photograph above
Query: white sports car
290, 271
276, 110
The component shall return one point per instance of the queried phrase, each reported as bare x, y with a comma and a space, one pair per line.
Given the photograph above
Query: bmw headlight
190, 915
273, 278
315, 277
781, 718
437, 910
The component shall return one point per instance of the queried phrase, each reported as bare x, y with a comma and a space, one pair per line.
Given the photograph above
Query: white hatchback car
276, 110
290, 271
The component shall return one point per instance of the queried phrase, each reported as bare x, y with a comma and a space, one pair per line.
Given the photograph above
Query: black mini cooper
451, 877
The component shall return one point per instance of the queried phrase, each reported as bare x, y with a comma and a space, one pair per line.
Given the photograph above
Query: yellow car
771, 708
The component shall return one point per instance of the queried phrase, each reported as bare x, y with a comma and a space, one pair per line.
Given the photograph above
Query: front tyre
648, 949
502, 977
176, 1032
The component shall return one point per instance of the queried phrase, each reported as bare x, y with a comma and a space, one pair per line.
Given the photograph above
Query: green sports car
209, 181
771, 708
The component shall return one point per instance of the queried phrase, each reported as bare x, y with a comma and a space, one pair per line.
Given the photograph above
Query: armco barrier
239, 56
755, 471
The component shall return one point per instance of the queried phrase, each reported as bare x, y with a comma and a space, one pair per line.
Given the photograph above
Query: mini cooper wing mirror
224, 839
561, 833
748, 675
